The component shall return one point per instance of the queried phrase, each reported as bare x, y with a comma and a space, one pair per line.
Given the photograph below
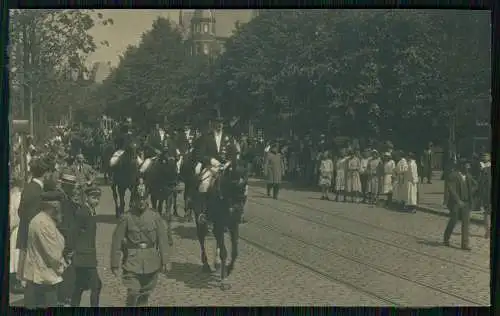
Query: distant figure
274, 169
426, 164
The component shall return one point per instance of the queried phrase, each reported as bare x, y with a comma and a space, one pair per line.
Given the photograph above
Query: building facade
206, 31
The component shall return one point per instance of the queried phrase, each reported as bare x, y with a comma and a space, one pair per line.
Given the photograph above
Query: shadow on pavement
433, 243
191, 275
471, 235
186, 232
106, 219
285, 185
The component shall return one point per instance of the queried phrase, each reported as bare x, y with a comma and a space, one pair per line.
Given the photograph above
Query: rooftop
225, 20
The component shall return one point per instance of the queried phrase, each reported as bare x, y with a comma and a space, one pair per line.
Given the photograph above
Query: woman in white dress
15, 199
340, 169
386, 177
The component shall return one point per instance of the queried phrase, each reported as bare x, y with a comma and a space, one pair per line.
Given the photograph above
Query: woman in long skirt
340, 169
372, 184
353, 181
386, 173
325, 174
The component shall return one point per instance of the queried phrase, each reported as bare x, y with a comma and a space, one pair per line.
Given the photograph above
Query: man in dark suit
211, 151
460, 186
29, 208
83, 247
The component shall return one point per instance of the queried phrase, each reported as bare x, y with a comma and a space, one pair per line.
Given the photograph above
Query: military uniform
141, 236
84, 253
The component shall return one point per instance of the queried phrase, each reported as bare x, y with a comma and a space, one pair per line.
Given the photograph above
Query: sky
129, 25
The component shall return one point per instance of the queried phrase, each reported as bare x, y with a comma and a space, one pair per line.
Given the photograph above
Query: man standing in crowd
44, 263
142, 237
426, 164
460, 187
83, 247
28, 209
84, 172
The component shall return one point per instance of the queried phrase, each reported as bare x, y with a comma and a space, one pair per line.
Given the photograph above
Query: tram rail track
337, 228
261, 223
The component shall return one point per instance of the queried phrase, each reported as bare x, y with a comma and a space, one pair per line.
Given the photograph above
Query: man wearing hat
28, 208
211, 151
83, 249
141, 236
44, 263
85, 173
460, 187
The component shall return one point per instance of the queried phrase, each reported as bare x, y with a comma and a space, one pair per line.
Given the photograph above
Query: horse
160, 176
124, 172
225, 198
107, 150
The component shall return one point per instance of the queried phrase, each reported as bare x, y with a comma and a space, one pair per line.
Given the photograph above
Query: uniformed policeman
84, 254
141, 236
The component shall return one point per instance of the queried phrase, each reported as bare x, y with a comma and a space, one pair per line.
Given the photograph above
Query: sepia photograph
258, 157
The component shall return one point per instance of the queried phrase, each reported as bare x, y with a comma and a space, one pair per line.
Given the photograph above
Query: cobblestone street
300, 250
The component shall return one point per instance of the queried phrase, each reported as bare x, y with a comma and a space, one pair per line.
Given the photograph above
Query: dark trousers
86, 279
65, 288
40, 296
364, 184
275, 187
457, 214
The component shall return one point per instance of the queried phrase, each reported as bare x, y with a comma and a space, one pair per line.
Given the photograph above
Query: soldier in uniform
141, 236
83, 248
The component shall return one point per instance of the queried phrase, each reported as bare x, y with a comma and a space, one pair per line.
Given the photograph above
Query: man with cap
83, 249
44, 263
28, 208
141, 236
460, 187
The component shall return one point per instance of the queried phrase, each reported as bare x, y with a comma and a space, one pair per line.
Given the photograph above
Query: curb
426, 209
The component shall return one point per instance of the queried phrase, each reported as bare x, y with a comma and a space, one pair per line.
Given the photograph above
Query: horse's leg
234, 232
201, 231
173, 200
114, 189
168, 211
121, 196
221, 249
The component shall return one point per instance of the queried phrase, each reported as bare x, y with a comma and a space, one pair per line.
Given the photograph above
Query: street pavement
300, 250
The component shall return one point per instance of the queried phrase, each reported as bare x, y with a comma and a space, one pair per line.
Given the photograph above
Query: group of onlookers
44, 242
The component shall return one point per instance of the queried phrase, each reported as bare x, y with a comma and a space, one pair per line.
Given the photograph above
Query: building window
205, 27
198, 28
206, 49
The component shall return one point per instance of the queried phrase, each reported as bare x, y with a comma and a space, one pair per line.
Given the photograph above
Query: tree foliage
384, 73
44, 46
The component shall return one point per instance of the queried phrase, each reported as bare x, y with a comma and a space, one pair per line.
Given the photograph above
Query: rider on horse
211, 153
123, 134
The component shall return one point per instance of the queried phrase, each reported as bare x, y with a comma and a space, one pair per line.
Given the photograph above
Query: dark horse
160, 175
125, 175
222, 205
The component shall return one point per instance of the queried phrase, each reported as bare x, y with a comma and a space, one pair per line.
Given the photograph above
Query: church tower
203, 32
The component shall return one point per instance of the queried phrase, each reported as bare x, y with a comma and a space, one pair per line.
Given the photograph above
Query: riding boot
143, 300
132, 299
